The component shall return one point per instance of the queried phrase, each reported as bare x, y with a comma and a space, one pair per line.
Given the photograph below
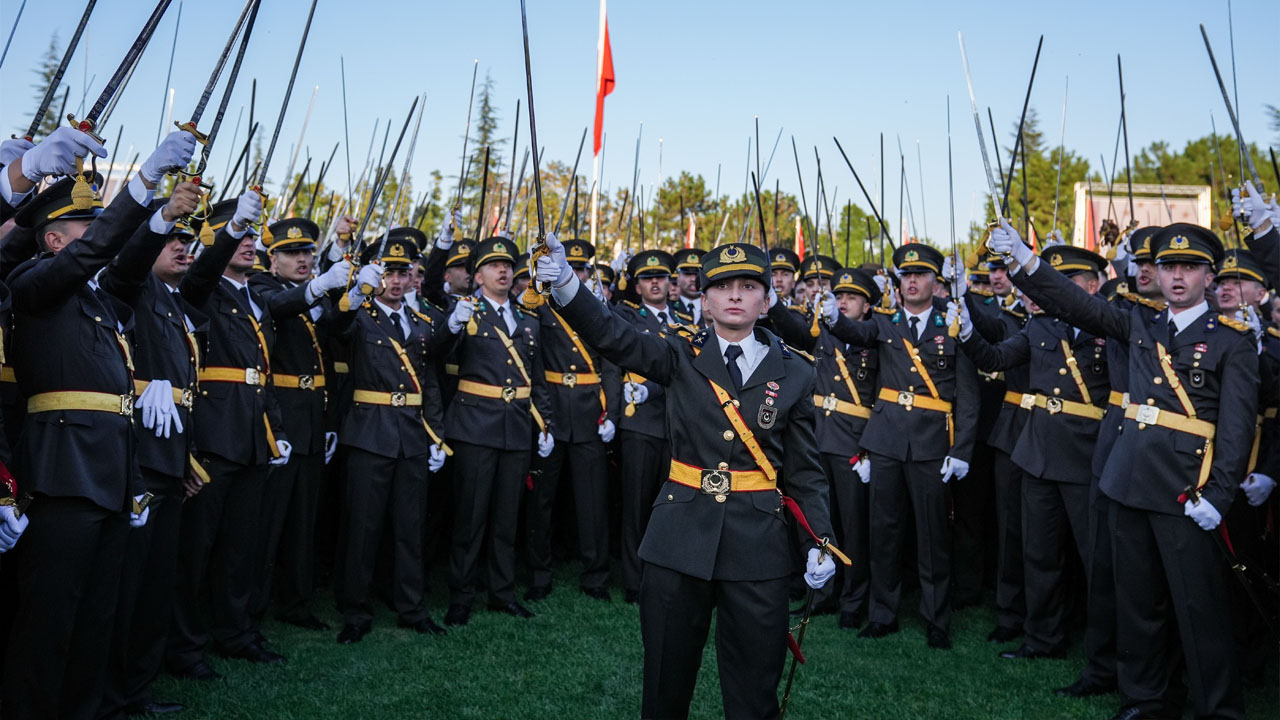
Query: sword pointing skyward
1235, 123
982, 143
89, 122
284, 105
538, 247
56, 79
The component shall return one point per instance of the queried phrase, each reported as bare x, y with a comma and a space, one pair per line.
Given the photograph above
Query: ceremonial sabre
1235, 124
982, 143
539, 246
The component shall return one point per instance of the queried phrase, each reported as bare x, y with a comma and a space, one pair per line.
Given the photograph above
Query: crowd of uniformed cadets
203, 413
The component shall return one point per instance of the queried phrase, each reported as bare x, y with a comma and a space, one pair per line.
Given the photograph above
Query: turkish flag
691, 237
799, 240
605, 80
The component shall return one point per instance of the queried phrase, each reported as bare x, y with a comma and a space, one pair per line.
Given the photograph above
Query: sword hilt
190, 127
85, 126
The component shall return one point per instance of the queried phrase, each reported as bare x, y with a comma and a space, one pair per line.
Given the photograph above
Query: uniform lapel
710, 362
770, 368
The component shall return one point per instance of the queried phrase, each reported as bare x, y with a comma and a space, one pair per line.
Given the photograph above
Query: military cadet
585, 401
502, 399
817, 272
718, 536
783, 266
980, 279
688, 268
1174, 470
77, 458
297, 304
145, 276
390, 436
919, 438
1065, 402
26, 165
239, 432
642, 436
845, 389
520, 280
607, 278
447, 274
1263, 219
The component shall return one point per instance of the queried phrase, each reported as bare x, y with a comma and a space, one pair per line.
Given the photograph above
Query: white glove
635, 393
553, 267
1005, 240
818, 569
961, 283
332, 279
1249, 316
444, 239
1203, 512
863, 468
830, 308
606, 431
11, 527
137, 520
57, 153
159, 412
436, 461
1257, 488
546, 444
462, 312
369, 276
1273, 206
11, 150
960, 311
773, 298
248, 209
173, 153
619, 264
330, 446
285, 448
886, 289
1253, 209
954, 468
1054, 238
948, 267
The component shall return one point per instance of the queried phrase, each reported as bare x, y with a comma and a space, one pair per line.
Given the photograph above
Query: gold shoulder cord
1075, 372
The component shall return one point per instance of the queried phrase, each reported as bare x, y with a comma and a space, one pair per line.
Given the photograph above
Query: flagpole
595, 161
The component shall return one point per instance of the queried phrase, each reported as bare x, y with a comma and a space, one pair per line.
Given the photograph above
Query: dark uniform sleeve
433, 277
801, 473
1237, 419
1004, 355
203, 276
792, 327
1267, 249
988, 324
1063, 299
864, 333
538, 381
966, 409
19, 246
618, 340
128, 272
611, 382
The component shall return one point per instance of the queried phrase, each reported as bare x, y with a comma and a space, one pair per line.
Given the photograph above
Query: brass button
1142, 426
1199, 451
1062, 371
1057, 391
723, 466
721, 498
1195, 364
1157, 381
401, 386
913, 369
728, 436
837, 377
671, 497
508, 361
573, 367
96, 318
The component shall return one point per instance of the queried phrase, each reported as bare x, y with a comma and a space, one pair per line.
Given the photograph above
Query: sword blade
1231, 113
284, 106
222, 61
977, 125
126, 65
564, 205
56, 80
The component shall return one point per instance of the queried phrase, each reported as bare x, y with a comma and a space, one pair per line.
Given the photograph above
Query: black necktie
663, 317
1173, 331
502, 315
397, 330
731, 355
914, 322
248, 300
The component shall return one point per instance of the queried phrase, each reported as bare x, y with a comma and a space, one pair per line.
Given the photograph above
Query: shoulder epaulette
1157, 305
1273, 332
788, 350
980, 291
700, 338
798, 308
1233, 323
631, 304
421, 315
884, 310
1016, 312
685, 331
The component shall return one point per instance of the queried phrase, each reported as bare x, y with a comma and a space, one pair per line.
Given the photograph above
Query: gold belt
911, 400
6, 374
341, 368
181, 396
451, 369
248, 376
1015, 398
831, 403
719, 482
298, 382
1057, 405
1119, 399
1152, 415
391, 399
507, 393
570, 380
78, 400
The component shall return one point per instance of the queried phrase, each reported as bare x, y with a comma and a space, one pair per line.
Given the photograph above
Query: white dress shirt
753, 352
402, 313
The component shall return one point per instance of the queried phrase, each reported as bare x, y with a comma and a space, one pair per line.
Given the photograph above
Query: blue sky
696, 74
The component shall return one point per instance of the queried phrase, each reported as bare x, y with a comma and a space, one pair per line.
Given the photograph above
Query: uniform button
671, 497
1062, 371
1197, 356
723, 466
1151, 401
1041, 344
1199, 451
508, 361
837, 377
721, 498
402, 387
1195, 364
1057, 391
259, 391
485, 333
728, 435
913, 369
508, 381
1157, 381
573, 367
97, 319
233, 312
911, 388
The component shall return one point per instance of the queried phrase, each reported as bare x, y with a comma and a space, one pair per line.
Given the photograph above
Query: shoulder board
1233, 323
884, 310
980, 291
1016, 312
798, 308
1273, 332
631, 304
700, 338
685, 331
1157, 305
683, 316
788, 351
421, 315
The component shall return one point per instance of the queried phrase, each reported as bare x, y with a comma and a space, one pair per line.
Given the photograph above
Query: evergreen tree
45, 71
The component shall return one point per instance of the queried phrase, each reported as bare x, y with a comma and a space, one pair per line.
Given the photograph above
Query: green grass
580, 658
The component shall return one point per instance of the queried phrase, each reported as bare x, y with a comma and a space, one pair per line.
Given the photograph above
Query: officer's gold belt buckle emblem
398, 399
307, 382
1053, 405
906, 399
509, 393
716, 482
1148, 414
188, 398
1028, 401
830, 403
570, 380
126, 405
252, 377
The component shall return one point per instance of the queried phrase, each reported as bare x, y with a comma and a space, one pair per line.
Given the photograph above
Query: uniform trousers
588, 476
488, 483
851, 511
378, 487
645, 462
1100, 630
69, 562
751, 641
915, 488
1011, 599
289, 524
1054, 514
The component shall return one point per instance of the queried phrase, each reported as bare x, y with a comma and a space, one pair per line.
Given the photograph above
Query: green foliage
44, 72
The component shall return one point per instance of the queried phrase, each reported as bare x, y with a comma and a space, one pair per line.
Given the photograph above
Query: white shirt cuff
233, 233
139, 192
335, 252
566, 292
159, 225
6, 189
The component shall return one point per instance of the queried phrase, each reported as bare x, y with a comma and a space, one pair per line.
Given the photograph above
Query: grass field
581, 658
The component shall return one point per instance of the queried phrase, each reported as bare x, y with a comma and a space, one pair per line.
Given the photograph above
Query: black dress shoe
514, 609
1004, 634
537, 592
352, 634
254, 652
937, 638
306, 622
633, 597
153, 708
1132, 713
1026, 652
1085, 688
597, 593
457, 615
425, 626
878, 630
197, 671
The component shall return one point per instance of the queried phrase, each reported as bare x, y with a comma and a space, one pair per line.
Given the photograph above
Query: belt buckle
188, 398
1053, 405
570, 379
1028, 401
1124, 401
126, 405
906, 399
398, 399
508, 394
252, 377
1148, 414
716, 482
829, 403
306, 382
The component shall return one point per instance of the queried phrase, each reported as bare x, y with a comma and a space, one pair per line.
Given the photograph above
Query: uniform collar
1184, 319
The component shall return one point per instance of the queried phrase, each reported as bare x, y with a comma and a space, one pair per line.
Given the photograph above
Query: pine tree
484, 134
45, 71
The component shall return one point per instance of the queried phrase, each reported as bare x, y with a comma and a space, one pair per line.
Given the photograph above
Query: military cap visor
1140, 243
690, 259
917, 258
1186, 243
732, 261
1242, 265
1070, 260
522, 267
398, 254
606, 273
494, 249
818, 266
459, 254
578, 252
784, 259
291, 234
650, 262
857, 281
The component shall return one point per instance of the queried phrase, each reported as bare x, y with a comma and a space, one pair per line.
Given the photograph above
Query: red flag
799, 240
605, 79
1034, 244
691, 237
